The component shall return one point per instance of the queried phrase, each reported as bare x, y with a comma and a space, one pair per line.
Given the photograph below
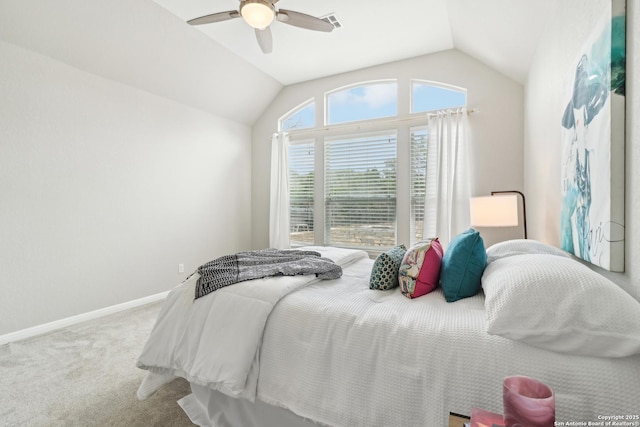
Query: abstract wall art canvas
593, 123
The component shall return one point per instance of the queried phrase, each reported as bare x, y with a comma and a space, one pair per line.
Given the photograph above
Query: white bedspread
344, 355
215, 340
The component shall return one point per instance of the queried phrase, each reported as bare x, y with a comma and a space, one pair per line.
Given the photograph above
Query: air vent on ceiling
332, 19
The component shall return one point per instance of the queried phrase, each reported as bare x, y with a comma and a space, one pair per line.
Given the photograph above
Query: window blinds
419, 139
360, 191
301, 192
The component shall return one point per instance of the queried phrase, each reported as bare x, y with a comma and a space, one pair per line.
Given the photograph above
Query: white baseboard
57, 324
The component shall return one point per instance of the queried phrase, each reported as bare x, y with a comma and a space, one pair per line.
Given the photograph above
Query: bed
310, 352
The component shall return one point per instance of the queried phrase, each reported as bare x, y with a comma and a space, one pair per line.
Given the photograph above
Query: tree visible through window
360, 191
301, 192
302, 117
418, 156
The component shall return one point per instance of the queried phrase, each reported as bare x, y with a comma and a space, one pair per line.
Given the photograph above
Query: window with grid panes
358, 179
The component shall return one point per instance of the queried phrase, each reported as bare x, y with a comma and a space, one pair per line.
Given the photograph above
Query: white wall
143, 45
104, 189
496, 129
544, 106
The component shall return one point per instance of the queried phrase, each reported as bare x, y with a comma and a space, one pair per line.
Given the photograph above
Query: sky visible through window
303, 118
365, 102
371, 101
428, 97
374, 101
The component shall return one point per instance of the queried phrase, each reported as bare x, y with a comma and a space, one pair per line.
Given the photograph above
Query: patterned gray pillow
384, 274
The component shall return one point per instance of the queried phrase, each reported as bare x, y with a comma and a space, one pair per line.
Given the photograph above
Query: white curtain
446, 206
279, 206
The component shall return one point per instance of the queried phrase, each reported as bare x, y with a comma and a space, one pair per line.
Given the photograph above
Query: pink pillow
419, 272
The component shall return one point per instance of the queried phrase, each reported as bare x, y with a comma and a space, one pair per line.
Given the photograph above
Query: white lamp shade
494, 211
258, 14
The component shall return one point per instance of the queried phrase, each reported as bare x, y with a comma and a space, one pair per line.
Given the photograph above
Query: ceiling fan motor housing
257, 13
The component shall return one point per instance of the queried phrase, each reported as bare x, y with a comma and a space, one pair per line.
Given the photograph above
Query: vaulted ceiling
140, 44
219, 68
501, 33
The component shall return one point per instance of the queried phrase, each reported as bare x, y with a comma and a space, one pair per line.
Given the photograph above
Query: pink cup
527, 403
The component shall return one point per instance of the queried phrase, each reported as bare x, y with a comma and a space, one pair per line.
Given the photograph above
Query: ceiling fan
260, 14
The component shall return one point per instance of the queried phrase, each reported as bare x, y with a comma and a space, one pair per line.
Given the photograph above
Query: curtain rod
429, 114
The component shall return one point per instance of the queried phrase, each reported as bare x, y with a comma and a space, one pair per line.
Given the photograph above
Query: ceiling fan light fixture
257, 13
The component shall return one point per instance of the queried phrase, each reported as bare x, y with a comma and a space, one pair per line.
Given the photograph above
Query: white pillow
520, 247
558, 304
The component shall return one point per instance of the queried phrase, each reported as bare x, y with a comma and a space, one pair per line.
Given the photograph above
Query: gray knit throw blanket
230, 269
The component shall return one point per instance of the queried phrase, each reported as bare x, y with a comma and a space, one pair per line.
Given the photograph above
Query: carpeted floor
86, 375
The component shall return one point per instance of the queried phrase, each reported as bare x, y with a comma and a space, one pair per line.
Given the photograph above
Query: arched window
301, 117
371, 100
344, 188
432, 96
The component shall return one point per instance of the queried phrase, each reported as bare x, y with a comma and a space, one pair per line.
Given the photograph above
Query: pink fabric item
429, 275
419, 272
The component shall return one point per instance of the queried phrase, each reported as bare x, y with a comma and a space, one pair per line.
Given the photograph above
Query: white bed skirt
210, 408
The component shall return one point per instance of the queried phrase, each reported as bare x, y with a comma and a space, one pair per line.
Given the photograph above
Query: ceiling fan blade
214, 17
265, 40
303, 20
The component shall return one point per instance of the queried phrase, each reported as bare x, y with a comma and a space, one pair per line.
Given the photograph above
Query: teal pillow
462, 266
384, 274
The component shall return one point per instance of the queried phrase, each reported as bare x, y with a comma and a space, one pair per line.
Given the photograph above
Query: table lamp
498, 210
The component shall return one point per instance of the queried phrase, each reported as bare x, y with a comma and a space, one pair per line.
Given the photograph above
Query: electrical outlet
180, 268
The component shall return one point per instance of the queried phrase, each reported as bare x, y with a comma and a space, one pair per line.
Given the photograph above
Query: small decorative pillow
520, 247
419, 272
462, 266
561, 305
384, 274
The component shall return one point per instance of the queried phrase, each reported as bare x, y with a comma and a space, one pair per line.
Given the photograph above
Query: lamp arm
524, 208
